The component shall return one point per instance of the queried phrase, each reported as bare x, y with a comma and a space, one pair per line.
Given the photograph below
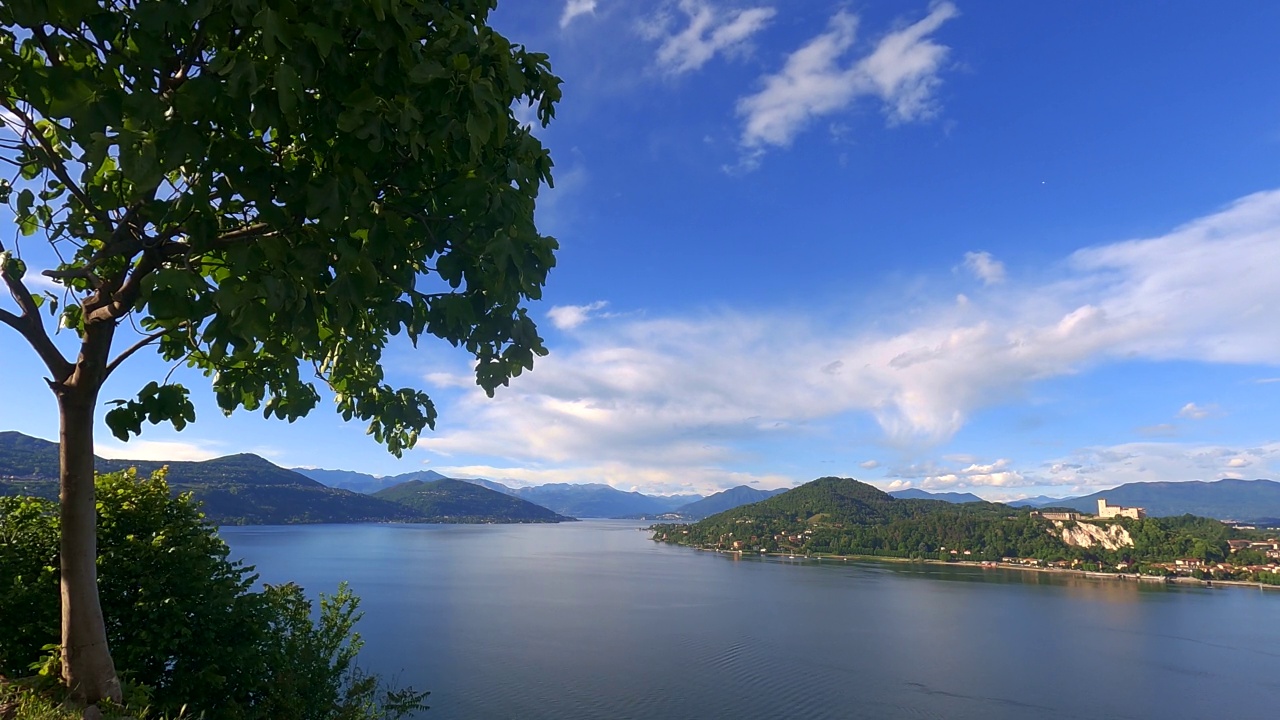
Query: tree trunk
86, 661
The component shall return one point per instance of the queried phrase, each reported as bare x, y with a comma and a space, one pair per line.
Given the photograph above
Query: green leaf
28, 225
13, 266
288, 88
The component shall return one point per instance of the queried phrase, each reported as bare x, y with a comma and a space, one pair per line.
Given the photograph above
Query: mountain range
1254, 501
951, 497
1239, 500
721, 501
449, 500
590, 500
247, 489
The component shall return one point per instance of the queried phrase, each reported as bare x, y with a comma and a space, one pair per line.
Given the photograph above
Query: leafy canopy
270, 189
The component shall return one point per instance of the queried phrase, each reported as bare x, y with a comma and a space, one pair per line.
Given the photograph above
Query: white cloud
576, 8
1192, 411
1091, 469
710, 31
155, 450
903, 67
818, 80
701, 392
651, 481
948, 476
984, 267
568, 317
869, 464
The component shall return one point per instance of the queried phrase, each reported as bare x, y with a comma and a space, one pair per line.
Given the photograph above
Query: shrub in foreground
184, 622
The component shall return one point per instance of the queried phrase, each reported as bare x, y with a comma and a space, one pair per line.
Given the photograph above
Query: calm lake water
593, 620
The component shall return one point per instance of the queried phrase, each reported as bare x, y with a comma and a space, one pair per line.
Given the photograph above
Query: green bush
183, 620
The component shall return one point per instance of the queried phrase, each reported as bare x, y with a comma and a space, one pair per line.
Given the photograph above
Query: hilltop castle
1110, 511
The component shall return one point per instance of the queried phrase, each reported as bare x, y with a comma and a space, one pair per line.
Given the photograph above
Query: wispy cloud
820, 79
1088, 470
947, 476
575, 9
984, 267
156, 450
1164, 461
709, 31
568, 317
662, 481
1192, 411
700, 391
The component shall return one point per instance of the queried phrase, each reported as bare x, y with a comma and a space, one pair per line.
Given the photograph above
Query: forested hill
234, 490
455, 501
845, 517
27, 458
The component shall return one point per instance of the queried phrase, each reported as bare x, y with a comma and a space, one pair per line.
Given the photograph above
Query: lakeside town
1248, 559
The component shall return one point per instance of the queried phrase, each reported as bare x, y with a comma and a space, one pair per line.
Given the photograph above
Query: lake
594, 620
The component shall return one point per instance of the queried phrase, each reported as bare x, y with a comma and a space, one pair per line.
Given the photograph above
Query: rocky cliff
1083, 534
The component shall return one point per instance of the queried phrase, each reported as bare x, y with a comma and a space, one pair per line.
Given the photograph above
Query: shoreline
1133, 577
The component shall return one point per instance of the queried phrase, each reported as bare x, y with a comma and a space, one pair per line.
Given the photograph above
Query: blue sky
1012, 249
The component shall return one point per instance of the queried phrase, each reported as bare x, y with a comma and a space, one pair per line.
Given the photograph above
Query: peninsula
843, 517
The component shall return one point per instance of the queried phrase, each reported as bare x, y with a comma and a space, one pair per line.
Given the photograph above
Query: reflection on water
592, 620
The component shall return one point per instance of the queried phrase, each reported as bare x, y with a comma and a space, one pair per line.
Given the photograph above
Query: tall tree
258, 188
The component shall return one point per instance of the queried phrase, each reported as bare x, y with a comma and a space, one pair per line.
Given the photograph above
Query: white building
1111, 511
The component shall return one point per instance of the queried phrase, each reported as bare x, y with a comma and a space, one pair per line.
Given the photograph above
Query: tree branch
80, 272
10, 319
247, 232
29, 326
55, 163
43, 40
121, 301
124, 355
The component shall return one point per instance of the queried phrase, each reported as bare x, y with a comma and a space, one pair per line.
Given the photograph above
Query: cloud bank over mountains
676, 400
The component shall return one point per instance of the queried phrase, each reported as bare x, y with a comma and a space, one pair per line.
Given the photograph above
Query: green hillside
456, 501
239, 489
841, 516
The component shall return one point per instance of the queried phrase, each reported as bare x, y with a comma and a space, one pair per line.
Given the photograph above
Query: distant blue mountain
951, 497
1037, 501
724, 500
597, 500
592, 500
1246, 500
455, 501
496, 486
363, 482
